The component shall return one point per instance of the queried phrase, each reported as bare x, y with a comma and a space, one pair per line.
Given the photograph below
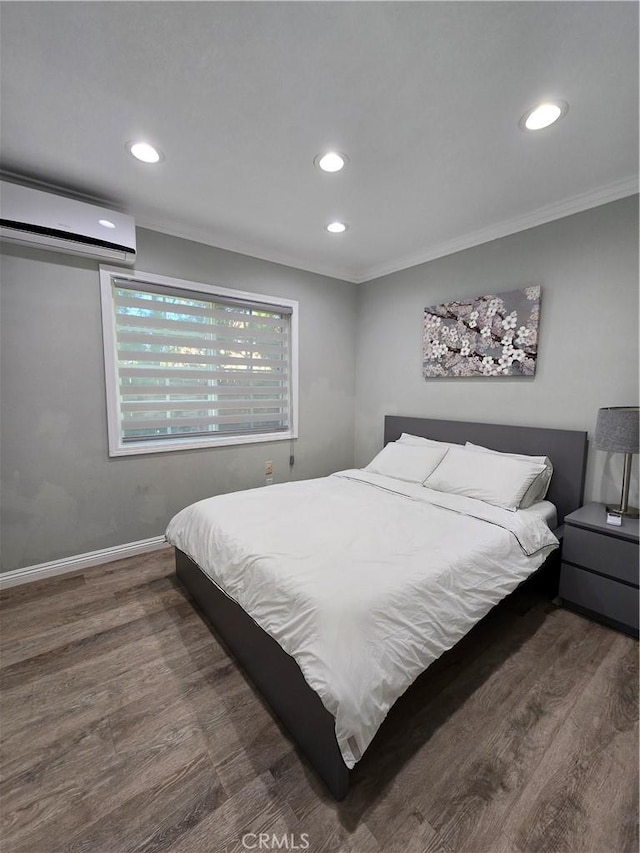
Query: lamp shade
617, 429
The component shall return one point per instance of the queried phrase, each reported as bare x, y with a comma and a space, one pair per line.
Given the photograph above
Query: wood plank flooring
126, 727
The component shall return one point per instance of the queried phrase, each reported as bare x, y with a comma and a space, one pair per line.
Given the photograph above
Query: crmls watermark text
267, 841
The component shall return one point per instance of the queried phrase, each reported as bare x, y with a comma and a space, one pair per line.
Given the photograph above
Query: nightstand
599, 572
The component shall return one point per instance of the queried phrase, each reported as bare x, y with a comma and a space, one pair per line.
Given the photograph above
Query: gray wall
587, 265
61, 493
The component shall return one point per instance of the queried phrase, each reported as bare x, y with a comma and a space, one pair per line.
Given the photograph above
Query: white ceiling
424, 98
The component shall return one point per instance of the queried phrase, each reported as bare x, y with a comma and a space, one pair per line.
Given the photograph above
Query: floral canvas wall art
494, 335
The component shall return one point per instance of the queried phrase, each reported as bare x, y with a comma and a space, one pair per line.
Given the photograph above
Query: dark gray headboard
567, 449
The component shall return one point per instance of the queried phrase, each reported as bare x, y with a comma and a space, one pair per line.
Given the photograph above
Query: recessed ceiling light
337, 227
543, 115
106, 223
331, 161
144, 152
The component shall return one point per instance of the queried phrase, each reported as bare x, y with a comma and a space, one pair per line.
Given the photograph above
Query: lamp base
630, 512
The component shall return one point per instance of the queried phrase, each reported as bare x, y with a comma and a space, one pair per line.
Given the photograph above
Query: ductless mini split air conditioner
46, 221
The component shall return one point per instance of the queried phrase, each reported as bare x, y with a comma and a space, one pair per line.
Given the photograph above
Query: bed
333, 723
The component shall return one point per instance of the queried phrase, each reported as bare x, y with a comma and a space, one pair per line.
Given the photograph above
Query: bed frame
277, 675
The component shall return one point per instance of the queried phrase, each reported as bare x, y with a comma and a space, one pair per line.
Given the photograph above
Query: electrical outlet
268, 469
268, 481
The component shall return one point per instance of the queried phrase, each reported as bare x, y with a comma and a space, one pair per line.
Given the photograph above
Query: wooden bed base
276, 674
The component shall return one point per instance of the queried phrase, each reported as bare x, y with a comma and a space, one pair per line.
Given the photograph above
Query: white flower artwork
476, 337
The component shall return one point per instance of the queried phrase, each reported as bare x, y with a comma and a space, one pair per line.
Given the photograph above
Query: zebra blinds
192, 365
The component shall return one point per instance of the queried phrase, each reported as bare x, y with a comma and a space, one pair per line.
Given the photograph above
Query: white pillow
488, 477
406, 461
538, 489
417, 441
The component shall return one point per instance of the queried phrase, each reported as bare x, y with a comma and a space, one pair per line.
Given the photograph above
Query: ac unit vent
58, 224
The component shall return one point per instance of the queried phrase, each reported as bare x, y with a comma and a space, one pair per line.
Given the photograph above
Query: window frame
117, 447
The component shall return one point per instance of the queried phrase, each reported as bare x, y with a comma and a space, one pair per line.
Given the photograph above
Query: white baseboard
80, 561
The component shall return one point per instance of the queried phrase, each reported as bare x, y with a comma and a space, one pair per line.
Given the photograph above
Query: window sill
168, 446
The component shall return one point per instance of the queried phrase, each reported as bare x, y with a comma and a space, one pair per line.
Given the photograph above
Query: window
191, 365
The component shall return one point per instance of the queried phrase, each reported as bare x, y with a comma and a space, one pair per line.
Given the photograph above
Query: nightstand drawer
616, 558
600, 595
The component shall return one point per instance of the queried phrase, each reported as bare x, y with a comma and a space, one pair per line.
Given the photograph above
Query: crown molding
540, 216
196, 234
244, 247
549, 213
67, 192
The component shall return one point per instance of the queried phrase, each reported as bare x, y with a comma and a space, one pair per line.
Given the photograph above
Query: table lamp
617, 432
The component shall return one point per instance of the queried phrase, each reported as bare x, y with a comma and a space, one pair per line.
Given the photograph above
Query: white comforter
363, 579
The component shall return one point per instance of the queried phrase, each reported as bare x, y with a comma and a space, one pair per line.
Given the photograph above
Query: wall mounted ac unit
47, 221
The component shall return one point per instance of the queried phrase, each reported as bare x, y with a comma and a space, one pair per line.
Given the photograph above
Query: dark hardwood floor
126, 727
